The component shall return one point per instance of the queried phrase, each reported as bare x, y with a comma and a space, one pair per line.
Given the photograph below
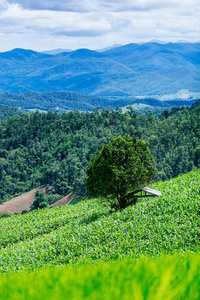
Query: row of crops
88, 232
40, 222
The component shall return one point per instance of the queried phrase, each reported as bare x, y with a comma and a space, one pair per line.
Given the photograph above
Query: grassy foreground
167, 277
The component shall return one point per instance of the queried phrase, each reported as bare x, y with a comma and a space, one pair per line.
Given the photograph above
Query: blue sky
94, 24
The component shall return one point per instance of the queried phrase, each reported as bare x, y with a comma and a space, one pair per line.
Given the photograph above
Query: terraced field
88, 232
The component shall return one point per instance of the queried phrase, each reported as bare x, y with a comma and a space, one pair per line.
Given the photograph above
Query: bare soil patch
64, 200
23, 202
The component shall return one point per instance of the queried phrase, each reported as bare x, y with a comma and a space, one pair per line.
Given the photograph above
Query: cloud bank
48, 24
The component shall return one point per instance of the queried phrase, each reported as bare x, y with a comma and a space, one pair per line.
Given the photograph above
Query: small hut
146, 192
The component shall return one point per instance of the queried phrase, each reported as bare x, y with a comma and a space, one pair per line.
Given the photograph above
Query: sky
95, 24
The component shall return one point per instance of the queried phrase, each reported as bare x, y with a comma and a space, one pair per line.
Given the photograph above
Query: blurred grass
168, 277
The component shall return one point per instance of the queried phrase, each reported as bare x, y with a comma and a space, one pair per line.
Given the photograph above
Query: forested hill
63, 101
7, 111
55, 148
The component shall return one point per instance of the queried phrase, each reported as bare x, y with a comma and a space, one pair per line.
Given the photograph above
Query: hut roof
151, 191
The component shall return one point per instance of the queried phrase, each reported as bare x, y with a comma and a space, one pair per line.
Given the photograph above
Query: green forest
51, 148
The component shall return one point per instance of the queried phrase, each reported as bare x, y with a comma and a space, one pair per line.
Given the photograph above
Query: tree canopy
51, 148
120, 168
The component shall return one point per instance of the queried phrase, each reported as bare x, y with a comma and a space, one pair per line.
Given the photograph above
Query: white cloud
3, 5
94, 24
97, 5
58, 5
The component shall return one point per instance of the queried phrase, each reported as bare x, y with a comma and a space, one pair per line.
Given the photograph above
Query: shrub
24, 211
39, 201
4, 215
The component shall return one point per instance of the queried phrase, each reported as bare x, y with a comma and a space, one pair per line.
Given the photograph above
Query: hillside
52, 148
57, 101
87, 233
130, 70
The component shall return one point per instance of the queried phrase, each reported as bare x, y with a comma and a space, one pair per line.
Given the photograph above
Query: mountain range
132, 70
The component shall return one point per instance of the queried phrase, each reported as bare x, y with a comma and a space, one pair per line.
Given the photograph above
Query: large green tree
119, 169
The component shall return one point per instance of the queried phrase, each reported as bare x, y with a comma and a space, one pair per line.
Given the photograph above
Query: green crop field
148, 249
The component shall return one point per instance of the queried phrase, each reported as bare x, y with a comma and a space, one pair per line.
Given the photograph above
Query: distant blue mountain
130, 70
22, 54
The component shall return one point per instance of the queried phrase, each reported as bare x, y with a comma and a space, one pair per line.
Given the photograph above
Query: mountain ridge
131, 70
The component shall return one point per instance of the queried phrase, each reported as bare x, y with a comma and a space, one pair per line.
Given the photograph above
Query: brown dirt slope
23, 202
64, 200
